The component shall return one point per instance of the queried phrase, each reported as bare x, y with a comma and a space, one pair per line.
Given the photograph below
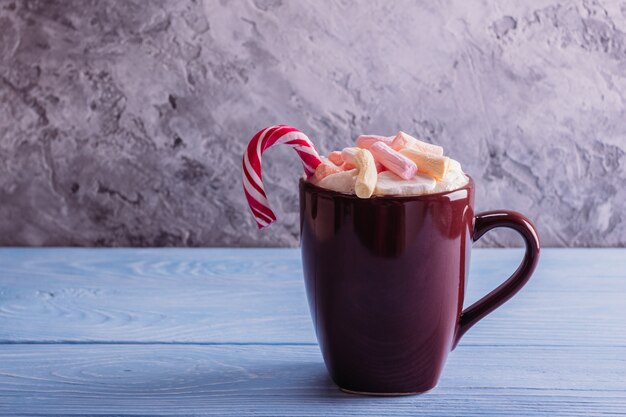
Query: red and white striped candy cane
252, 178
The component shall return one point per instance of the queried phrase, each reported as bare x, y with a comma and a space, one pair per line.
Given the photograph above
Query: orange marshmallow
325, 169
404, 141
393, 161
335, 157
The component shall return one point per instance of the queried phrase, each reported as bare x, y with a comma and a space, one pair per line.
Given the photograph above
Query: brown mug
385, 280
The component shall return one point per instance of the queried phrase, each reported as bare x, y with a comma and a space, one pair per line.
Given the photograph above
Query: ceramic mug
385, 280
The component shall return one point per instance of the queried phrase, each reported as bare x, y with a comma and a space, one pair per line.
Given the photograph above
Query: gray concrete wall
123, 122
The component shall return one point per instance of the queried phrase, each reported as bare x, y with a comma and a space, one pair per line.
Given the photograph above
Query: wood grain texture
227, 332
257, 295
292, 380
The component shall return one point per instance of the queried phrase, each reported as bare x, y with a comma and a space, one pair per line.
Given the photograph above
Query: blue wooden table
227, 332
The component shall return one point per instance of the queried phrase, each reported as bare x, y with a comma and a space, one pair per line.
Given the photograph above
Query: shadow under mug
385, 280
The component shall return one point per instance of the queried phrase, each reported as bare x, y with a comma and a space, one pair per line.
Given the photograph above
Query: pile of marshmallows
395, 165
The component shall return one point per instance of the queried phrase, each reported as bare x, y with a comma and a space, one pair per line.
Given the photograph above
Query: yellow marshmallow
342, 181
367, 175
403, 140
433, 165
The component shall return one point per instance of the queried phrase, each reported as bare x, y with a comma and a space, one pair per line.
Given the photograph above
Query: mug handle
483, 223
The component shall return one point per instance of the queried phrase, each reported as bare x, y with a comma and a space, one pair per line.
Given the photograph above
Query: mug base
386, 394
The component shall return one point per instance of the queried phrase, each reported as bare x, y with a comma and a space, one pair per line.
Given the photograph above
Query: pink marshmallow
393, 161
335, 157
366, 141
403, 141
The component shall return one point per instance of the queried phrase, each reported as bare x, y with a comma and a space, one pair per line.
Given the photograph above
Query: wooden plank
292, 380
257, 296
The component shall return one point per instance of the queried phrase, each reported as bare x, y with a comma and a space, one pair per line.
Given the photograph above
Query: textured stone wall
123, 122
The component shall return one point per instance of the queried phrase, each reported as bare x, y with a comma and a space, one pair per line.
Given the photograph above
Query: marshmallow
342, 181
403, 140
389, 166
367, 175
325, 169
454, 165
390, 184
433, 165
336, 158
454, 178
366, 141
393, 161
349, 155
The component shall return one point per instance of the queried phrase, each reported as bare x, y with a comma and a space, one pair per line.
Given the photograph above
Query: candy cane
252, 178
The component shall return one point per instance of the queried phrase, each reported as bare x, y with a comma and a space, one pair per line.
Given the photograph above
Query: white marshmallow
454, 165
390, 184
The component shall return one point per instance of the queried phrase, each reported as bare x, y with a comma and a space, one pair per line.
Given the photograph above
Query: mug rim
395, 197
